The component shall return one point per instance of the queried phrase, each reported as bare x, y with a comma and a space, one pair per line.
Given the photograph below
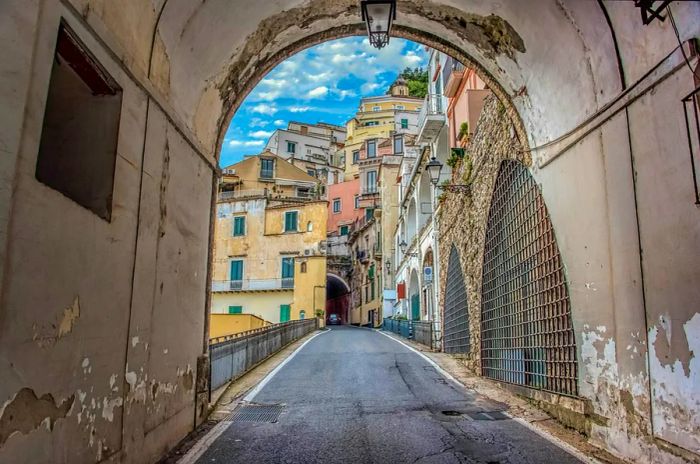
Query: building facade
269, 242
311, 147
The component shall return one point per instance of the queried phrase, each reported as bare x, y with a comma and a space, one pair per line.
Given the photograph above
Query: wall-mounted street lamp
379, 16
434, 167
402, 246
387, 264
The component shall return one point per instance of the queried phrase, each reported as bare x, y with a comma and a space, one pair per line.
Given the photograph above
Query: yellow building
221, 325
380, 117
269, 234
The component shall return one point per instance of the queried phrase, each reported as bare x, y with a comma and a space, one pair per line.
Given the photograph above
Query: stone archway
338, 298
582, 112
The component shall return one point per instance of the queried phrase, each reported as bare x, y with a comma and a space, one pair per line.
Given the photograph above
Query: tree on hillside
417, 79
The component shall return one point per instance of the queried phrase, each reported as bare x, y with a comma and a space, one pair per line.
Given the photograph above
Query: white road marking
544, 434
206, 441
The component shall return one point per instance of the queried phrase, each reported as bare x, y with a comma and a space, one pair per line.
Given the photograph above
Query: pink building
465, 92
343, 206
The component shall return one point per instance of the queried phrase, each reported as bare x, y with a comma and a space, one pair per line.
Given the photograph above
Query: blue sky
323, 83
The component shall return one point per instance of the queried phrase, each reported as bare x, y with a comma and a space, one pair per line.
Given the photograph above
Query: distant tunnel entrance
337, 298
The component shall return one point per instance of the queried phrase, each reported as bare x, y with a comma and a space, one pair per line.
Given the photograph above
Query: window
369, 213
309, 226
371, 185
302, 314
238, 226
344, 230
291, 147
302, 268
404, 123
267, 168
287, 272
291, 219
336, 205
372, 123
311, 172
376, 108
355, 156
399, 107
237, 270
357, 202
235, 309
78, 147
371, 148
398, 144
371, 286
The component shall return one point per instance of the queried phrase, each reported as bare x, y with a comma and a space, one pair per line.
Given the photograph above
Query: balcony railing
254, 193
431, 118
242, 194
369, 190
251, 284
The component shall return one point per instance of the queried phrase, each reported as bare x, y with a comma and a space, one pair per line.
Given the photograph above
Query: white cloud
263, 108
247, 143
279, 122
261, 134
272, 95
257, 122
318, 92
299, 109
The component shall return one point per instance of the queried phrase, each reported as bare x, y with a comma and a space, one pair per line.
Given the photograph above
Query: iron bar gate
527, 336
456, 307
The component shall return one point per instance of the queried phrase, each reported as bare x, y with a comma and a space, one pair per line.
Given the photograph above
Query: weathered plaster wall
101, 323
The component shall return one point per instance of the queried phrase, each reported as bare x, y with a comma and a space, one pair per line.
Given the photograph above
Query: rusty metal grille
526, 333
456, 307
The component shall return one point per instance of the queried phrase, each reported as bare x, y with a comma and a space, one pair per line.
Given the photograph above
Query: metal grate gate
526, 333
456, 307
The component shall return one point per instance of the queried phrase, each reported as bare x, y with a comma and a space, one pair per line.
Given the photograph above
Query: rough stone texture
462, 216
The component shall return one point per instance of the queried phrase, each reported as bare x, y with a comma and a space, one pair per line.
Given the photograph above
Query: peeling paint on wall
48, 336
25, 412
676, 384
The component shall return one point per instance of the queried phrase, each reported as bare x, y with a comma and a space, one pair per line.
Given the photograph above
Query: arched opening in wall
427, 287
414, 305
456, 332
337, 300
527, 335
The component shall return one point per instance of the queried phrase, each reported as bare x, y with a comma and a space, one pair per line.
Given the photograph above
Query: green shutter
290, 221
238, 226
237, 270
235, 309
343, 230
285, 312
287, 268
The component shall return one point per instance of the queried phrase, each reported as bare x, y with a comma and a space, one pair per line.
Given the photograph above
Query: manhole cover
257, 413
451, 413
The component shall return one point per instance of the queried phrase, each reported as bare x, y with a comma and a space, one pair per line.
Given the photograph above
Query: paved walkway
356, 396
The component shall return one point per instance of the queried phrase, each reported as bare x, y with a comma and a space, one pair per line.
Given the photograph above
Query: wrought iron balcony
431, 118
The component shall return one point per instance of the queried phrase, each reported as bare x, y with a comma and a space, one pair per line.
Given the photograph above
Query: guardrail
252, 284
232, 356
419, 331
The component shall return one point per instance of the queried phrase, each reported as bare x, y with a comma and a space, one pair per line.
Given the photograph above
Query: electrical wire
680, 42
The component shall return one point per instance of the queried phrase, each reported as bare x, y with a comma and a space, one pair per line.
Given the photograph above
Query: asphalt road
355, 396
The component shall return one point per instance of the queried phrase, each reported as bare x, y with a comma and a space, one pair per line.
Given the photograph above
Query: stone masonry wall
463, 214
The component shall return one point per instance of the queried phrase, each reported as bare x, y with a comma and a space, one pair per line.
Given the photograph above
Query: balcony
452, 75
369, 190
431, 119
249, 285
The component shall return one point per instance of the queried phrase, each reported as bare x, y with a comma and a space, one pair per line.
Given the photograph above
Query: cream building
270, 231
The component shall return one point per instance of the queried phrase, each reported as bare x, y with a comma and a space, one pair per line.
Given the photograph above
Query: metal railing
252, 193
234, 355
369, 190
432, 105
419, 331
251, 284
242, 194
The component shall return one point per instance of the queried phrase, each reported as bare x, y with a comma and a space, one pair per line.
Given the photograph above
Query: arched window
456, 307
309, 226
302, 314
302, 268
527, 336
